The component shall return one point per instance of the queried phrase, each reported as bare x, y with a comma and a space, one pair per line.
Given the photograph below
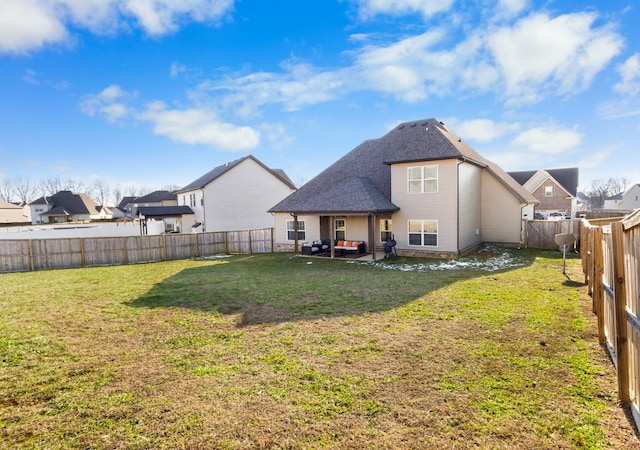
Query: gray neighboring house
236, 196
163, 206
555, 189
65, 206
419, 183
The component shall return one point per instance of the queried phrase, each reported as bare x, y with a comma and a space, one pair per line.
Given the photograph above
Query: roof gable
566, 178
217, 172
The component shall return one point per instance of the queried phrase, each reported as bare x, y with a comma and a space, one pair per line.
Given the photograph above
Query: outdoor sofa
341, 247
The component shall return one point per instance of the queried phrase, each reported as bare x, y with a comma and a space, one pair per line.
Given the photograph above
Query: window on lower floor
291, 230
385, 230
423, 233
341, 229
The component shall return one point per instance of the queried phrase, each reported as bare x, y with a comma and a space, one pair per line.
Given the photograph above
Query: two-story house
555, 189
64, 206
629, 200
236, 195
419, 183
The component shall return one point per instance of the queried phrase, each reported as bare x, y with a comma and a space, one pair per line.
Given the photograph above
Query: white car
558, 215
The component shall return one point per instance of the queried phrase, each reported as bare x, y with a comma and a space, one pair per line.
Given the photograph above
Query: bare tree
117, 195
100, 190
6, 190
24, 190
599, 190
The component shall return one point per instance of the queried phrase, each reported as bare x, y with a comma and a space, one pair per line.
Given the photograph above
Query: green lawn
498, 350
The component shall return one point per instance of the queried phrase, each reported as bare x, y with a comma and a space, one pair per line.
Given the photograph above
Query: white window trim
422, 179
422, 233
302, 227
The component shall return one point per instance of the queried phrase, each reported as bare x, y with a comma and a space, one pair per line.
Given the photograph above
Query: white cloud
630, 73
199, 126
276, 134
110, 103
596, 159
428, 8
619, 108
548, 140
27, 25
482, 130
510, 8
176, 69
299, 85
561, 54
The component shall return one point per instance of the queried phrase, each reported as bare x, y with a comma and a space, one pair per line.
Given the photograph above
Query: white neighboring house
629, 200
236, 196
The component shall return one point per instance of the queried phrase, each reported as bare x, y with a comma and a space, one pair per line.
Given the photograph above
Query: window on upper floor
422, 179
548, 191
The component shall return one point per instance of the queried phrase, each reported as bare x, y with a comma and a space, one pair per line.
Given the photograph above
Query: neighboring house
236, 196
126, 208
12, 214
64, 206
418, 183
155, 198
555, 189
629, 200
177, 219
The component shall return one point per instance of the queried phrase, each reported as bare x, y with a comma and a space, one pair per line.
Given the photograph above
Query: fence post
83, 261
622, 343
273, 242
598, 288
31, 263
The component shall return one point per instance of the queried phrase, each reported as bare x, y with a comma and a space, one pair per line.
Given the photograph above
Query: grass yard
498, 350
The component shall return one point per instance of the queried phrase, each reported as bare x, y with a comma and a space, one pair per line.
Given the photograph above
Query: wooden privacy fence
610, 255
22, 255
541, 233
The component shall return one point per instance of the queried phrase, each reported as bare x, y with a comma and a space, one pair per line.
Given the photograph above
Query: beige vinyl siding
470, 201
312, 228
501, 212
357, 228
440, 206
240, 198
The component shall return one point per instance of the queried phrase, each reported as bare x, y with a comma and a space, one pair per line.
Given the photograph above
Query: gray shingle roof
68, 203
360, 181
216, 172
567, 178
157, 211
156, 197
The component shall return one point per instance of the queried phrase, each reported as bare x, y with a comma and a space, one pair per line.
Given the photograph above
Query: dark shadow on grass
277, 288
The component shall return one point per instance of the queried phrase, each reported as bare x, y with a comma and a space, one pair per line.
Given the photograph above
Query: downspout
458, 206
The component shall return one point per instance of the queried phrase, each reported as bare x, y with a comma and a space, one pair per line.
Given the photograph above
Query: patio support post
332, 232
372, 234
295, 232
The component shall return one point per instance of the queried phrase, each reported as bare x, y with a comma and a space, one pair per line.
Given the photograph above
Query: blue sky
154, 93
